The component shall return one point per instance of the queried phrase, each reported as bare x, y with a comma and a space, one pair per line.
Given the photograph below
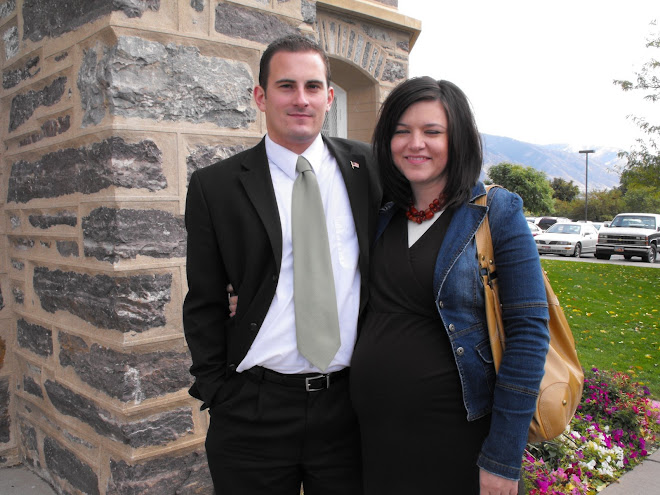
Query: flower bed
615, 427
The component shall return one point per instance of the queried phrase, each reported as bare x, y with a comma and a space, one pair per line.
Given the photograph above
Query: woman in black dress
422, 380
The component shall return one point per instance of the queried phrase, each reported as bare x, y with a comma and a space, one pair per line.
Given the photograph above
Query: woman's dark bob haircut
465, 155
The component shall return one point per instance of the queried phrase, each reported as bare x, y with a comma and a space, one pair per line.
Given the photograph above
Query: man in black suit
277, 421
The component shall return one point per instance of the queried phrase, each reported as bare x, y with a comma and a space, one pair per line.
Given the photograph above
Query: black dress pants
269, 438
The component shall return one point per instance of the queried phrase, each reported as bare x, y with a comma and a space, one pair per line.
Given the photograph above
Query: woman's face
420, 145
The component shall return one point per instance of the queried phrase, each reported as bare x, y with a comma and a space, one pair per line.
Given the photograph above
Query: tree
642, 199
643, 160
604, 205
530, 184
563, 190
641, 192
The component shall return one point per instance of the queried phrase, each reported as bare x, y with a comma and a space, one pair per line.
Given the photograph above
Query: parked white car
535, 229
568, 239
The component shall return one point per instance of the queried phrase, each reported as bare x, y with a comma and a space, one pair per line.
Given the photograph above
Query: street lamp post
586, 182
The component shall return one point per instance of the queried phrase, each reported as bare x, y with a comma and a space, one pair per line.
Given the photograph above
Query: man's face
296, 99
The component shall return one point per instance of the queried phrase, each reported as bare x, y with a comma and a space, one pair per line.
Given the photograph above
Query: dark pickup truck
630, 234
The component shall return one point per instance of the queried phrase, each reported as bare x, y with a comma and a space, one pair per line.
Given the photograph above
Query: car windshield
563, 228
631, 221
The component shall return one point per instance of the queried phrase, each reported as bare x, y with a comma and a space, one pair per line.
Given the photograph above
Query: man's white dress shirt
275, 346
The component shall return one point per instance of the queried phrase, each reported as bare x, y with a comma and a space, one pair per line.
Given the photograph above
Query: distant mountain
556, 160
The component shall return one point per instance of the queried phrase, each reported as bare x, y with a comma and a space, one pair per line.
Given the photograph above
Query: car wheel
602, 256
578, 250
651, 255
627, 256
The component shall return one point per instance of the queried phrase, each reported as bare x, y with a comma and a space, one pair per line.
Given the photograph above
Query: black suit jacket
234, 236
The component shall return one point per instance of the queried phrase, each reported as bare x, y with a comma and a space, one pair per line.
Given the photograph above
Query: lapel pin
355, 165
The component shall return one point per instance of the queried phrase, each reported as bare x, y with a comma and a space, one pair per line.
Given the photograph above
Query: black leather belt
309, 382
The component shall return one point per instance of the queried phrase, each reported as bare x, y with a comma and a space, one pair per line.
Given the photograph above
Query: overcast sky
541, 72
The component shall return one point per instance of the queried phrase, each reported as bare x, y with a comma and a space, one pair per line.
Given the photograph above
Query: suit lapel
354, 171
353, 166
258, 185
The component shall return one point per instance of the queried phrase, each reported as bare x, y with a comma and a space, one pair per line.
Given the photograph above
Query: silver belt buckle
309, 386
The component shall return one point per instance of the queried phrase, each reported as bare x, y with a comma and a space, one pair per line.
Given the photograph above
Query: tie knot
302, 165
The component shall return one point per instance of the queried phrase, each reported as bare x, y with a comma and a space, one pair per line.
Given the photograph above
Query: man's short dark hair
293, 43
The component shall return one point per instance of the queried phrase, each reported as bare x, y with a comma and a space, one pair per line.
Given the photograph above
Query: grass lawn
614, 314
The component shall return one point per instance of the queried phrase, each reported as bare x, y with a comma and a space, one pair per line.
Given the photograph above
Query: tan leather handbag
561, 388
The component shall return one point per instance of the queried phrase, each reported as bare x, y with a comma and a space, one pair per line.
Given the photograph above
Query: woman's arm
525, 315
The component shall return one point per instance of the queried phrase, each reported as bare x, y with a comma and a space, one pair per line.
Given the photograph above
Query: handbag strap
484, 239
487, 270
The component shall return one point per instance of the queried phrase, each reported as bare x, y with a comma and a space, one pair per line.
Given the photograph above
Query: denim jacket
510, 395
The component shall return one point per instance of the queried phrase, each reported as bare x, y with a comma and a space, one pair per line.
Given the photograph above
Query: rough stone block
50, 128
403, 45
250, 24
10, 39
5, 420
67, 466
30, 444
67, 248
88, 170
379, 66
150, 80
111, 234
359, 46
43, 18
203, 156
22, 243
68, 218
182, 475
23, 105
376, 33
7, 8
394, 71
32, 387
16, 265
157, 429
128, 304
11, 78
19, 296
373, 61
127, 377
198, 5
2, 300
35, 338
308, 11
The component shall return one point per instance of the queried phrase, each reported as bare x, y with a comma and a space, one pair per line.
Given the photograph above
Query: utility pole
586, 182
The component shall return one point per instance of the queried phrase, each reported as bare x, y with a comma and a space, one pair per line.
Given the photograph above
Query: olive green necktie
317, 323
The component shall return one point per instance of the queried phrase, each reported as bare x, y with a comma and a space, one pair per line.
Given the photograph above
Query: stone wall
106, 108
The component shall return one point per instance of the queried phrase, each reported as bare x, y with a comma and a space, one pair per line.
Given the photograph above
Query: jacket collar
459, 235
461, 231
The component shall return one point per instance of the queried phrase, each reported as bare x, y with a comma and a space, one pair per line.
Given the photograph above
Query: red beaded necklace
414, 215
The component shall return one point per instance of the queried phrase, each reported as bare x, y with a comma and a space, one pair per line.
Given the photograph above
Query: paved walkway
643, 480
21, 481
